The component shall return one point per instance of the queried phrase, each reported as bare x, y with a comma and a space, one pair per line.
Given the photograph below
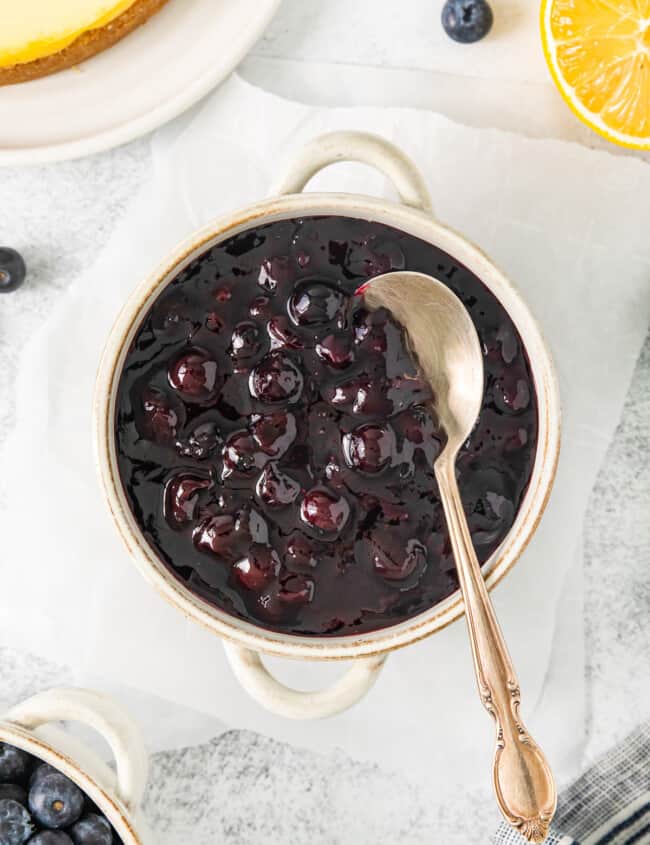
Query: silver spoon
443, 339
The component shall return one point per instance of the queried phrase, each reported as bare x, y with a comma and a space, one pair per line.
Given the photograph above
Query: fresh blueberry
51, 837
467, 21
92, 829
14, 764
13, 791
15, 823
55, 801
40, 771
12, 270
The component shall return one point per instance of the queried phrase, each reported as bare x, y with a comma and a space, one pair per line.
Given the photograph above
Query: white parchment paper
569, 227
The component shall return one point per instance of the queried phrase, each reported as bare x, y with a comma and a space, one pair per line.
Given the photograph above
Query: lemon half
599, 54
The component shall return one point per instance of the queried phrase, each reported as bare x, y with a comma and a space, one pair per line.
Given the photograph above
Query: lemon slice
599, 54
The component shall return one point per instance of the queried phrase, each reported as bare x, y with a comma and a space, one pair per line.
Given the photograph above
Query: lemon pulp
599, 54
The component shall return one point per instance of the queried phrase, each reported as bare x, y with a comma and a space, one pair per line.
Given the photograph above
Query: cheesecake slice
39, 37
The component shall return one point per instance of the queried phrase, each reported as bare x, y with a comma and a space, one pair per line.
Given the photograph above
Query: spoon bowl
443, 338
444, 341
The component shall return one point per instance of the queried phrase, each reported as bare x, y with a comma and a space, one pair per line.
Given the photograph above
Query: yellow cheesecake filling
33, 29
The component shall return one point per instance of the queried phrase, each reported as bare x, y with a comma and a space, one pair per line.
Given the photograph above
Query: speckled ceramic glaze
244, 642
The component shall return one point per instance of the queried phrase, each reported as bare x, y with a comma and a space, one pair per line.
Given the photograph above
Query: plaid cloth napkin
608, 805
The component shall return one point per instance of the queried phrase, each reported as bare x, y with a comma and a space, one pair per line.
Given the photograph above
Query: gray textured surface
243, 788
617, 573
58, 216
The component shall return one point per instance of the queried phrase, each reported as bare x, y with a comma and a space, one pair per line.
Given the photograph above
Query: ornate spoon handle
523, 781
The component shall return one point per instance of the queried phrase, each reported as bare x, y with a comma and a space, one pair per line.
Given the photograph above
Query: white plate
151, 76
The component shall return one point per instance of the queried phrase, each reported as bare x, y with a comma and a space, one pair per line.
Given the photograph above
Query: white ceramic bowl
118, 794
244, 641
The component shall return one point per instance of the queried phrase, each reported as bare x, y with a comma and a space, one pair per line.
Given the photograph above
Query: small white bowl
118, 794
244, 641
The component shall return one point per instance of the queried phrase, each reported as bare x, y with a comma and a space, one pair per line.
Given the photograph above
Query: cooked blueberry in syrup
370, 447
276, 379
324, 512
315, 303
276, 442
258, 568
194, 375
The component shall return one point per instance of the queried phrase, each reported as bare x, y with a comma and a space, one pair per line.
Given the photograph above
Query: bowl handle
258, 682
103, 715
363, 147
247, 665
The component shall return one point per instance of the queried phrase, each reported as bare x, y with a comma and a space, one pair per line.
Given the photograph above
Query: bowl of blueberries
54, 789
266, 442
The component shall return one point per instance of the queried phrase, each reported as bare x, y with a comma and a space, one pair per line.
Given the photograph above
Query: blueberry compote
276, 443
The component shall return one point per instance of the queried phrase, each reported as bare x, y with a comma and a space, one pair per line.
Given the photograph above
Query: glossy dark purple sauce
276, 444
